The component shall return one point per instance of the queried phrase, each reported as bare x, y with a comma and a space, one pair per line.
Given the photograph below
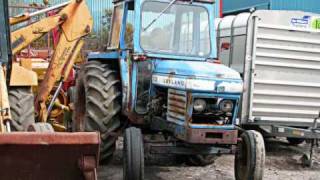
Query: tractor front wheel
250, 156
133, 155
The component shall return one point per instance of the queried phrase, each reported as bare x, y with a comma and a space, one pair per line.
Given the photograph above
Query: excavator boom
76, 22
26, 16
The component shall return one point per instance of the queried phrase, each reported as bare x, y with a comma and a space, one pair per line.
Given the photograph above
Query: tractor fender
106, 56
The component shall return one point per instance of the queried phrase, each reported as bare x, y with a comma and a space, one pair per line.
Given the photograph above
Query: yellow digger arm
77, 24
21, 38
27, 16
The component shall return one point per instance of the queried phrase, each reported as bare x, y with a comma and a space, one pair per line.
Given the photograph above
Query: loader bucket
50, 156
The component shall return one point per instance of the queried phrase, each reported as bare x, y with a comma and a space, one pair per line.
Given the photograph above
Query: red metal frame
221, 8
211, 136
37, 156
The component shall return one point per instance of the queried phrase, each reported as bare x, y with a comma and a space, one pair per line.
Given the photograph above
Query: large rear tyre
98, 105
201, 160
21, 101
133, 155
250, 157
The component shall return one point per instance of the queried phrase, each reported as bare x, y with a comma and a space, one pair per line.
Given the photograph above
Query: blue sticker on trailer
301, 22
311, 22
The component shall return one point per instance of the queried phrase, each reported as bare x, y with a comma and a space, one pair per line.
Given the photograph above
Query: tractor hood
196, 75
196, 69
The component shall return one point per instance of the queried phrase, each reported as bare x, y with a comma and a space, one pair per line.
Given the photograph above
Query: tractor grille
177, 105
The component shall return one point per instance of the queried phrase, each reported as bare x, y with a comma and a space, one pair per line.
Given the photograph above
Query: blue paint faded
112, 55
170, 66
197, 69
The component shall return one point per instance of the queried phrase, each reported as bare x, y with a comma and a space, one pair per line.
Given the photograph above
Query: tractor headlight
199, 105
226, 105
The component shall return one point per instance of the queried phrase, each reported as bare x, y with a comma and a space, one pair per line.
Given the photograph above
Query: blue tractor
160, 76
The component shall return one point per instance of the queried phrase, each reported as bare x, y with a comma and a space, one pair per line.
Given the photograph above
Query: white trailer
278, 56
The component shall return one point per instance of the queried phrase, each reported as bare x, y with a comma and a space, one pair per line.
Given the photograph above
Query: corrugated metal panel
286, 71
234, 6
97, 8
302, 5
15, 11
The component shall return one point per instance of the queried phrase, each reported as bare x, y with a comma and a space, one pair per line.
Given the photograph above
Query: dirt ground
282, 163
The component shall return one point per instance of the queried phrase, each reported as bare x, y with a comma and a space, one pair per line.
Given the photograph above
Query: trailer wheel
98, 105
133, 155
21, 101
250, 156
41, 127
295, 141
201, 160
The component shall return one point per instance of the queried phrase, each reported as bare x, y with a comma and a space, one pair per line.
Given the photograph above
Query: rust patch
210, 136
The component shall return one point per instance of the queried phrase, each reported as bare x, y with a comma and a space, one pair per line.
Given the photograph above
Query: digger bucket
50, 156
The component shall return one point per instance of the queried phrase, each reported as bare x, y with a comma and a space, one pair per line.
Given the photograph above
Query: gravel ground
282, 162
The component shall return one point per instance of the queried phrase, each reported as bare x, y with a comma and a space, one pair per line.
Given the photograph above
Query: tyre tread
103, 105
21, 102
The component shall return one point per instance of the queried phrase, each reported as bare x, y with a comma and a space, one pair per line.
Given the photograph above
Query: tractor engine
194, 101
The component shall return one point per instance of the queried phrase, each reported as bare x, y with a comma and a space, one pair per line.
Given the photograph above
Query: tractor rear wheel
250, 157
21, 101
98, 105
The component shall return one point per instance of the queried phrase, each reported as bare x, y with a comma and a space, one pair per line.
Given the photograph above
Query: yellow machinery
41, 153
76, 22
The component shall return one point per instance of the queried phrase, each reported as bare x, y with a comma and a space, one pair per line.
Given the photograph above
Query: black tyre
71, 94
98, 105
133, 155
21, 101
201, 160
41, 127
295, 141
250, 156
